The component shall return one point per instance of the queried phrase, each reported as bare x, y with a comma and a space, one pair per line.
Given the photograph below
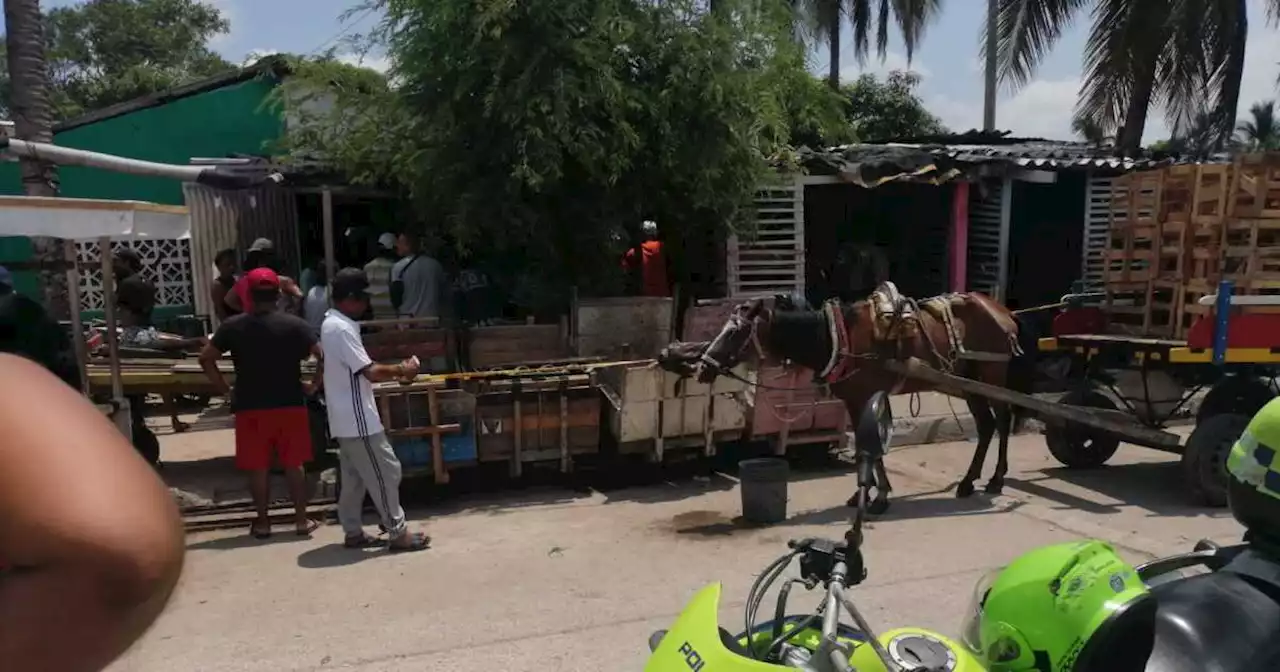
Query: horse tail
1022, 367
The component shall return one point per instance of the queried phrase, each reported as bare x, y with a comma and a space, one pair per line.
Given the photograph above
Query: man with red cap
267, 347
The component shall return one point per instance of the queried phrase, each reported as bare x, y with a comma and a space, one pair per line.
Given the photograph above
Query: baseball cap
387, 240
349, 283
6, 278
262, 278
262, 245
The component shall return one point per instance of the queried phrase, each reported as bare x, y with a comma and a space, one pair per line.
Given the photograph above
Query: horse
967, 334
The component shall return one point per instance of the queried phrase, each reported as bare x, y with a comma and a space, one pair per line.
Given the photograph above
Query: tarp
91, 219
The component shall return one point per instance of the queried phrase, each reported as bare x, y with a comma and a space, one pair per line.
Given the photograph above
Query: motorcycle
1074, 607
817, 642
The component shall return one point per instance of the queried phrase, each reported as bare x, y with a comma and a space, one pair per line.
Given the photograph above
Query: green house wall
237, 118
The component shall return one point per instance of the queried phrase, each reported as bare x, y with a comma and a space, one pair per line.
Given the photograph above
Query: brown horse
966, 334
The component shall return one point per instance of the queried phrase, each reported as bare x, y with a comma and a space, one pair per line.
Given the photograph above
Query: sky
948, 60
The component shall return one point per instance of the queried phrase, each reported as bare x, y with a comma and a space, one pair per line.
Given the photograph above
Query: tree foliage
104, 52
884, 110
549, 131
1259, 132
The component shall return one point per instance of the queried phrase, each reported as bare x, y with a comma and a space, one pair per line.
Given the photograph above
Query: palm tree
32, 120
1091, 131
823, 19
1260, 132
1187, 55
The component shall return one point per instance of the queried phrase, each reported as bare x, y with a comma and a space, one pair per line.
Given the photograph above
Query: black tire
1241, 395
1204, 459
1077, 447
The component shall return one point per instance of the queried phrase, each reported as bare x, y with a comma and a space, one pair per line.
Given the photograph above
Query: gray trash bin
763, 482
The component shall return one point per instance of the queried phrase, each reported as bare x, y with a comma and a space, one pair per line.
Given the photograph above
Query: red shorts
288, 430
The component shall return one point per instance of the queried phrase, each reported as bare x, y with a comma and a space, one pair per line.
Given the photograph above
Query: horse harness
895, 320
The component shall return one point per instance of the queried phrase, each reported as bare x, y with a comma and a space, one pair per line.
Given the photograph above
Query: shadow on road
910, 507
1154, 486
337, 555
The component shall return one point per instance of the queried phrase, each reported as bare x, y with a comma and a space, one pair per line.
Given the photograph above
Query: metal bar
1222, 321
77, 325
109, 310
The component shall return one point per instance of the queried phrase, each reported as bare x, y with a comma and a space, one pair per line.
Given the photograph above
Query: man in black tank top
225, 262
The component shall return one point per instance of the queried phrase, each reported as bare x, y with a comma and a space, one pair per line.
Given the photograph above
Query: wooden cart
651, 411
430, 427
540, 418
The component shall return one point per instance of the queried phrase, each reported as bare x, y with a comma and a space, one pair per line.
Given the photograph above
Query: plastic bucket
763, 482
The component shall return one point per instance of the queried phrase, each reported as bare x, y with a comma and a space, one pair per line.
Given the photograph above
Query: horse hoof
852, 502
994, 488
964, 489
878, 507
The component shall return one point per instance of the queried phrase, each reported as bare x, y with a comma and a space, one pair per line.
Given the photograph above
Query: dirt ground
549, 579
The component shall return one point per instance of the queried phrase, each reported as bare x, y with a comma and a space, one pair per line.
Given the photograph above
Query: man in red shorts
267, 347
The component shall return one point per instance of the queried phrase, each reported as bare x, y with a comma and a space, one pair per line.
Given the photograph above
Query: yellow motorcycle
817, 642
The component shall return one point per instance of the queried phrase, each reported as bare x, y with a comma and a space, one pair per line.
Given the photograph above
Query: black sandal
362, 541
417, 541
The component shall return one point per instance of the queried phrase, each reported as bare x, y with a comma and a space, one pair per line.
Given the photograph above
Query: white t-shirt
348, 395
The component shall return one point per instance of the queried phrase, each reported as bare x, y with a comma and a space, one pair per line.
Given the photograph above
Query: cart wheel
1204, 459
1077, 447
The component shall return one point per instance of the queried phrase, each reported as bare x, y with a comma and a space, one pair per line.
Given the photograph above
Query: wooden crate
537, 419
1252, 250
1255, 187
1131, 254
1194, 193
488, 347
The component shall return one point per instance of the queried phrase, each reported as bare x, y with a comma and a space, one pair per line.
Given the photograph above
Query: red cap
262, 278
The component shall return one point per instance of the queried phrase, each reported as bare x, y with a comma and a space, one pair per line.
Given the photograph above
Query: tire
1076, 447
1241, 395
1204, 459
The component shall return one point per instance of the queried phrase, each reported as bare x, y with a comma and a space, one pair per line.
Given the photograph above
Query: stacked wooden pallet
1177, 232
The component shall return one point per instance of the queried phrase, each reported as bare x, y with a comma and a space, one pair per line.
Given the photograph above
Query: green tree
104, 52
1090, 131
1185, 55
1259, 132
549, 131
880, 111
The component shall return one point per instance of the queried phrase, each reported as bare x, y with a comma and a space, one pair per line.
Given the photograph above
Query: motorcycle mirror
871, 435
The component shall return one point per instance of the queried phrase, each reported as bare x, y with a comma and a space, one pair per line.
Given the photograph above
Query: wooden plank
1089, 417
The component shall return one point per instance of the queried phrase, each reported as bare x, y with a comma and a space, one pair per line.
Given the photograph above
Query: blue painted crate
458, 447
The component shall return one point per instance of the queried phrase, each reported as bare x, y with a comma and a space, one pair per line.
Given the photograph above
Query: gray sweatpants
369, 464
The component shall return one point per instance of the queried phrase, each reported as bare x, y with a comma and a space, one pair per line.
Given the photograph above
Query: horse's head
729, 347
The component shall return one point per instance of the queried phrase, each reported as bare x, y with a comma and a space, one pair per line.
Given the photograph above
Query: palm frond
913, 16
1026, 30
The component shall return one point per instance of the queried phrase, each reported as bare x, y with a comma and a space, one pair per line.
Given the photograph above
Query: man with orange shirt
653, 263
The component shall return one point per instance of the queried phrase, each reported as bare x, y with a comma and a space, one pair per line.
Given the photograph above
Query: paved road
550, 580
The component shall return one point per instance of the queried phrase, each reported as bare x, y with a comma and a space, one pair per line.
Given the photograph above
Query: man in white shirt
378, 271
366, 458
